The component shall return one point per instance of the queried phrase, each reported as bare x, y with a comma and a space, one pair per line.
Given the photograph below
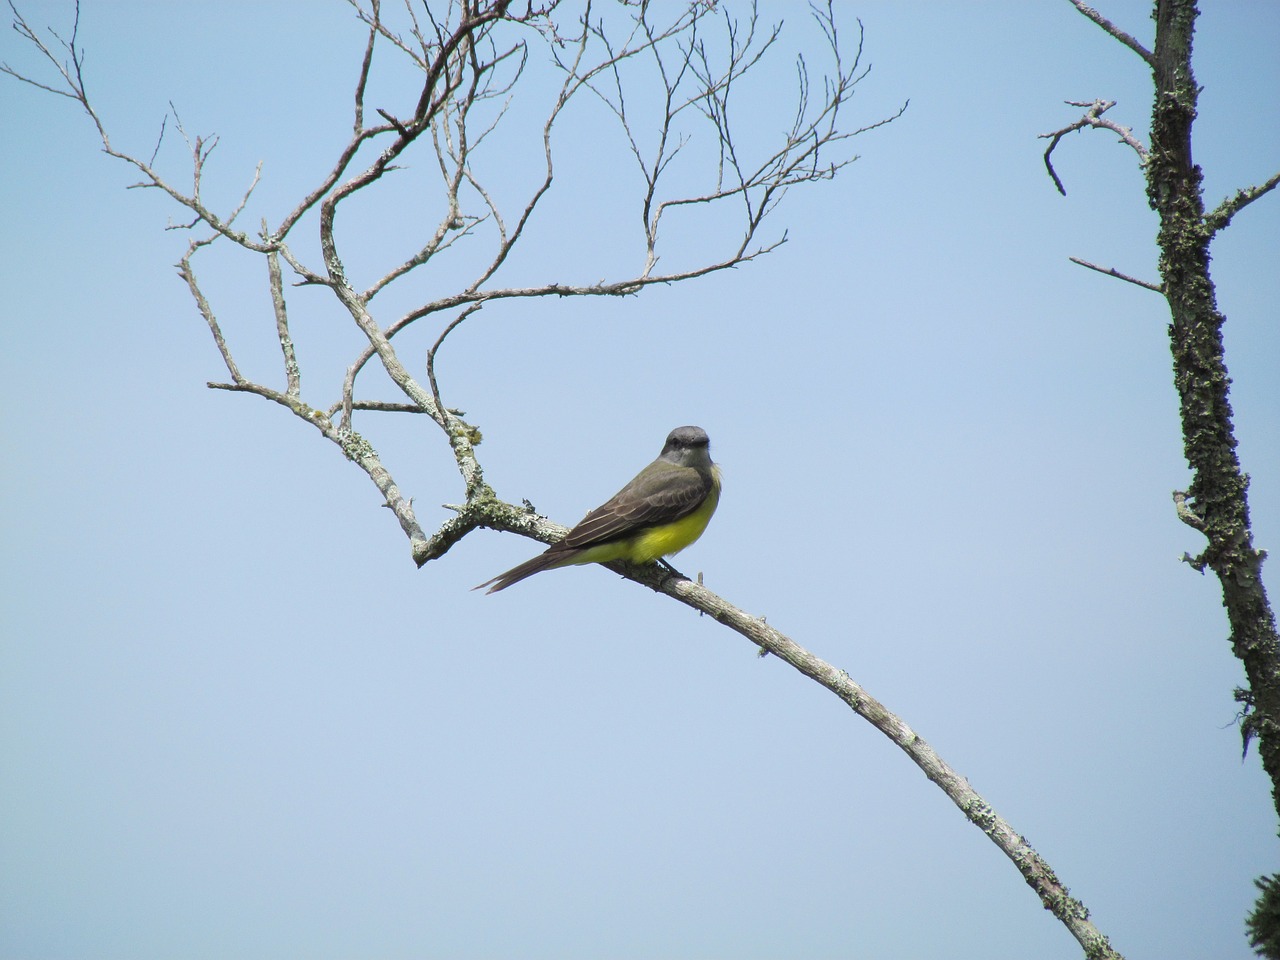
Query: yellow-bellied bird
659, 513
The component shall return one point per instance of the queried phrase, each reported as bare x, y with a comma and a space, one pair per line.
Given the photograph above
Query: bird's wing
656, 496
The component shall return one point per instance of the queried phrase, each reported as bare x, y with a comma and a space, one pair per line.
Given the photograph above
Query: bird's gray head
687, 446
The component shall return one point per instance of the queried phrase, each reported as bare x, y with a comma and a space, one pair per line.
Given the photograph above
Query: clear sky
235, 720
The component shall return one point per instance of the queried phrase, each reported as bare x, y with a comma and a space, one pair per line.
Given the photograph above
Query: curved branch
1093, 118
1035, 871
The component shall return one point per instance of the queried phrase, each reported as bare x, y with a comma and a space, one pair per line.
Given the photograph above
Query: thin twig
382, 406
1113, 272
362, 80
206, 311
442, 414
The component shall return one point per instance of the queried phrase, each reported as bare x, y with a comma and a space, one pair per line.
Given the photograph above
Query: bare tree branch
443, 412
1222, 214
1186, 514
23, 29
354, 447
206, 311
1113, 272
73, 87
1035, 871
292, 374
1115, 31
375, 18
1092, 118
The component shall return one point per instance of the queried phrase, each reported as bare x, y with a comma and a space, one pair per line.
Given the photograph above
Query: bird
661, 511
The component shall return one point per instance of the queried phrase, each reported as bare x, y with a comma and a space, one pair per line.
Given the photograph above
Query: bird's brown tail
543, 561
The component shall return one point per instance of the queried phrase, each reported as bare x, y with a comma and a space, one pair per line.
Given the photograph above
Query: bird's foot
671, 571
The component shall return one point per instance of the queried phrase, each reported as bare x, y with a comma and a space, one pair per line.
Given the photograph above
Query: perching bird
659, 513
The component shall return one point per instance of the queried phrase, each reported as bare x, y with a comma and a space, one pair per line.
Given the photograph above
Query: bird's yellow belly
674, 537
648, 545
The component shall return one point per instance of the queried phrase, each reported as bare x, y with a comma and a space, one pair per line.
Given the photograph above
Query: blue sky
236, 720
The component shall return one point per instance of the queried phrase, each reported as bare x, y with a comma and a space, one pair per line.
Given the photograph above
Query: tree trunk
1217, 503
